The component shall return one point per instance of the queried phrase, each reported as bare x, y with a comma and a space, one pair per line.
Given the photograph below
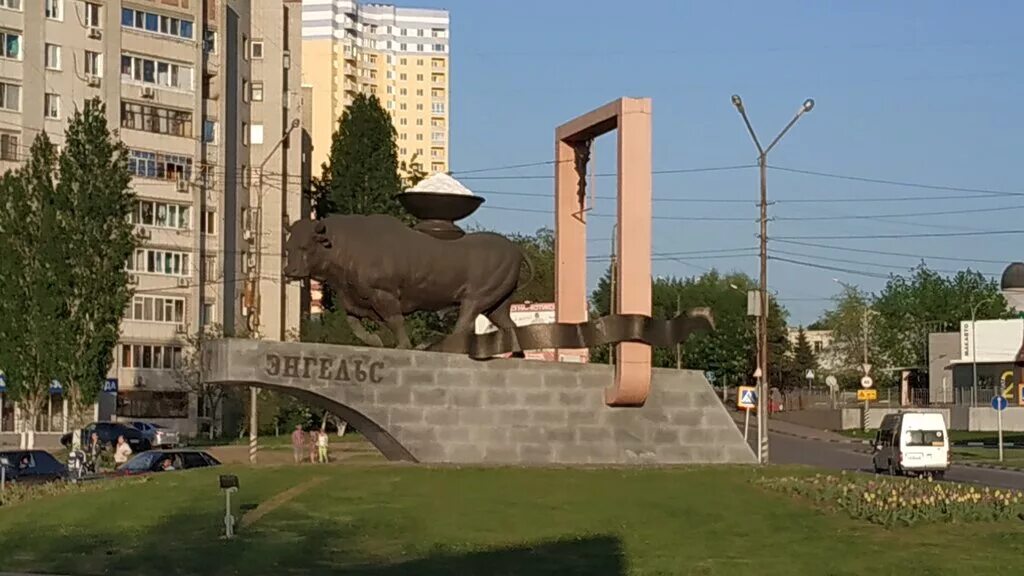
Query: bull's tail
533, 274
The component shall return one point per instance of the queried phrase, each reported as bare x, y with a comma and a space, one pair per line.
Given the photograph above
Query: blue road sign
56, 387
110, 385
999, 403
3, 383
747, 397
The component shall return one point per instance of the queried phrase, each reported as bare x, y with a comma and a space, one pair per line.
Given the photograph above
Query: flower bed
901, 501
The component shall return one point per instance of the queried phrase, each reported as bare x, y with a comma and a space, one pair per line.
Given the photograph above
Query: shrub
901, 501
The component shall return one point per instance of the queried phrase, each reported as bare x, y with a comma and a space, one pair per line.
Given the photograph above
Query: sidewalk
798, 431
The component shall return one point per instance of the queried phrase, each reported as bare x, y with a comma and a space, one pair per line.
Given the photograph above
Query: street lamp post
974, 351
762, 344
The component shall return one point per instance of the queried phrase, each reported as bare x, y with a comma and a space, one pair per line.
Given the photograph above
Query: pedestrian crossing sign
746, 397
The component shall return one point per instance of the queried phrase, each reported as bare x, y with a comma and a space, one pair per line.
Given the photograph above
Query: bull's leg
467, 318
502, 318
390, 309
361, 332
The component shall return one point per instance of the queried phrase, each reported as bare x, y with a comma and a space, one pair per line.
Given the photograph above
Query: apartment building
206, 95
401, 55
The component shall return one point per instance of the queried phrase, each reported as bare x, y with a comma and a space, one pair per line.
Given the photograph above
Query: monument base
446, 408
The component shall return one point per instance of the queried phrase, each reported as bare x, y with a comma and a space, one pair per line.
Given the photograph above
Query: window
402, 61
149, 118
402, 136
210, 267
421, 32
210, 131
419, 106
10, 45
157, 24
209, 41
438, 47
207, 315
419, 121
437, 137
245, 134
419, 61
419, 136
52, 57
402, 92
208, 223
93, 15
925, 438
159, 165
257, 49
156, 309
437, 32
437, 63
419, 77
419, 91
245, 90
163, 262
150, 404
93, 63
402, 76
51, 106
10, 97
11, 4
245, 46
437, 108
157, 72
403, 121
161, 214
257, 134
401, 106
257, 91
9, 145
55, 9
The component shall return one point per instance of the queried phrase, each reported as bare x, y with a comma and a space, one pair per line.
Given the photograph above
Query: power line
862, 263
899, 215
896, 182
884, 253
599, 215
831, 268
895, 236
613, 174
508, 167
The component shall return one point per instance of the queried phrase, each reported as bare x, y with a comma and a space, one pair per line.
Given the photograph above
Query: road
785, 449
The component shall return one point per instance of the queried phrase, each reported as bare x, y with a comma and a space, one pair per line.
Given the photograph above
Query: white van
912, 443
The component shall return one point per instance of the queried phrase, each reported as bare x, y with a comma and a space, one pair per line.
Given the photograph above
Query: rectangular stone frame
631, 117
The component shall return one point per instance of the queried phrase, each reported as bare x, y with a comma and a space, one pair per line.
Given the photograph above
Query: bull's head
307, 239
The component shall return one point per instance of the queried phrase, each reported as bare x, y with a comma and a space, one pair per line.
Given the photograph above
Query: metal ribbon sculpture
611, 329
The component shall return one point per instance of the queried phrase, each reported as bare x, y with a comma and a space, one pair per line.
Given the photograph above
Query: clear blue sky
913, 91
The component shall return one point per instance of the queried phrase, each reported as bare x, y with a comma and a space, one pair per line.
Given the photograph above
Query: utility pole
611, 294
762, 344
679, 346
974, 351
257, 233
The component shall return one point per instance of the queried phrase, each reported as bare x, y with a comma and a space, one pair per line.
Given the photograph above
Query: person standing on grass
312, 446
298, 443
321, 446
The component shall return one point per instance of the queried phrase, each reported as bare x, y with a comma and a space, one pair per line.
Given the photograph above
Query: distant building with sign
527, 314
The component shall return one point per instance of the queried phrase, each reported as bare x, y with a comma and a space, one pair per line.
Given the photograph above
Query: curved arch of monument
447, 408
372, 431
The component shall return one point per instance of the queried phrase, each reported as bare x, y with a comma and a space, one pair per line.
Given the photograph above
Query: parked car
31, 467
108, 433
153, 461
912, 443
158, 436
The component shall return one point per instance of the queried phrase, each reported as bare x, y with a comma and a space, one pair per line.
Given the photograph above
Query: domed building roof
1013, 277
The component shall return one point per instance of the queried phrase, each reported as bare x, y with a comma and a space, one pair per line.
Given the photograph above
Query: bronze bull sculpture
383, 270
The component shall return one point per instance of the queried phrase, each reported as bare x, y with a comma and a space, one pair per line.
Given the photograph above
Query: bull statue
382, 270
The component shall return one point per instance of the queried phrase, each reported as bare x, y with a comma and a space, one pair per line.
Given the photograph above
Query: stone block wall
447, 408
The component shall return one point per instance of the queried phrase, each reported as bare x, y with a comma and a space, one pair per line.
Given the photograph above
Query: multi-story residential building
399, 54
204, 94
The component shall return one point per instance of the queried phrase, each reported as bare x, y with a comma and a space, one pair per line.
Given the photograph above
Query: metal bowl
439, 206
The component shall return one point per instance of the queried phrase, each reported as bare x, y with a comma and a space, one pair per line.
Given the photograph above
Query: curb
987, 445
989, 466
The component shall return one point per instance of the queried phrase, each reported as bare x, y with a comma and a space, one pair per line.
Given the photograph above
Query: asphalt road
784, 449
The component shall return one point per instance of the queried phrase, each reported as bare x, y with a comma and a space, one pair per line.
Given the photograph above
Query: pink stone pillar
632, 118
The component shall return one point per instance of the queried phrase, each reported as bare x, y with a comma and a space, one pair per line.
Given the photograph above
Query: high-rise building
206, 95
399, 54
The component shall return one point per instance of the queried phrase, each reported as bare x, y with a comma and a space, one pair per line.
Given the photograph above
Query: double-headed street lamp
762, 344
974, 349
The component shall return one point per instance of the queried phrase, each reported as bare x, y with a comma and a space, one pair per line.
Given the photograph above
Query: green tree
802, 360
851, 320
93, 200
31, 307
909, 307
191, 374
361, 175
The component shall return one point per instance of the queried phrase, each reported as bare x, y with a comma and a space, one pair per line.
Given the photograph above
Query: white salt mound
441, 183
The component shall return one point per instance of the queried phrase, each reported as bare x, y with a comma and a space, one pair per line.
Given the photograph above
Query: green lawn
1013, 458
270, 441
390, 520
